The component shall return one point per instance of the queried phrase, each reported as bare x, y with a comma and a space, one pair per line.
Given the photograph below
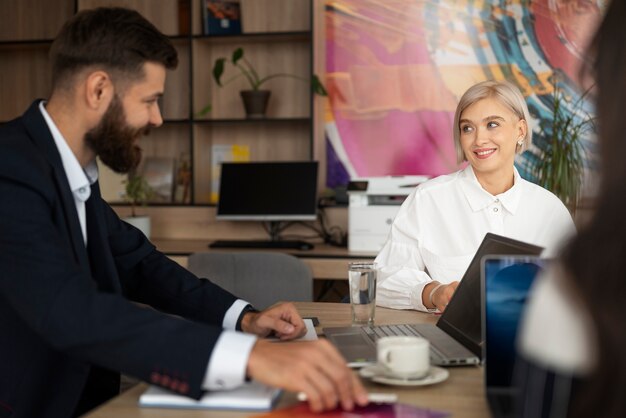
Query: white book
252, 396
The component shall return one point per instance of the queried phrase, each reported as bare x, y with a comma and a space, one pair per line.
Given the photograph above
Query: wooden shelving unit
277, 38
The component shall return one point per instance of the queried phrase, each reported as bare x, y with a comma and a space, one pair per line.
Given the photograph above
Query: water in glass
362, 279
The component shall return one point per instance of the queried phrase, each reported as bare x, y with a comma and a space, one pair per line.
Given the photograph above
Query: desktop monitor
268, 191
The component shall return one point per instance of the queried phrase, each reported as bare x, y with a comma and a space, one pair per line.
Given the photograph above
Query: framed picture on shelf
159, 173
221, 17
112, 184
182, 190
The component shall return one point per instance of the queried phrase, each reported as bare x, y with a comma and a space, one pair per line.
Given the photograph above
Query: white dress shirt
443, 221
229, 359
80, 180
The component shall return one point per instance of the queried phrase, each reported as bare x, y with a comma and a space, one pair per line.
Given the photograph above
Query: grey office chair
261, 278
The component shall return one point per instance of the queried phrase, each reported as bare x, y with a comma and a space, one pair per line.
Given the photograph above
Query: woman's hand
441, 296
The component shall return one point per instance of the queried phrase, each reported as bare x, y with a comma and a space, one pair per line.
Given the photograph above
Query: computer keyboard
287, 244
438, 340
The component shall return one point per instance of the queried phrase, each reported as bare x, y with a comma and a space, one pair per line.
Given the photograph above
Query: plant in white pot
255, 99
138, 192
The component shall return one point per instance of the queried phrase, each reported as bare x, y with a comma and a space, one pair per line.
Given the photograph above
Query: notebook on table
506, 281
456, 339
250, 397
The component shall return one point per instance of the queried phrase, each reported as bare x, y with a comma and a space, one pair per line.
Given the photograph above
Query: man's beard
113, 140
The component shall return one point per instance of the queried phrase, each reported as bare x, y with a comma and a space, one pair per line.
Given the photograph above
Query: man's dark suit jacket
67, 317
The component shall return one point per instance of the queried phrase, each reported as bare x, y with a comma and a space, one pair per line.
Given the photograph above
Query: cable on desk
333, 235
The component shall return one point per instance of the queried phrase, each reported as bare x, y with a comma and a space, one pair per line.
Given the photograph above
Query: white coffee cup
404, 357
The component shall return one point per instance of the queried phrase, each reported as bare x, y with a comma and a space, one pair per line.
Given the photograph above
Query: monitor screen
269, 191
506, 281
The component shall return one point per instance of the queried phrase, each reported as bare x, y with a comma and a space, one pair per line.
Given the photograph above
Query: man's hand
282, 319
441, 297
313, 367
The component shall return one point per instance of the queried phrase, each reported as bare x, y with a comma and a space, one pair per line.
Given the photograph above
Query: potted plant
138, 192
561, 166
255, 99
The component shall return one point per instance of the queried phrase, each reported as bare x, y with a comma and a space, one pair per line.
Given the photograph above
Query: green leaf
247, 70
138, 191
317, 86
218, 70
560, 168
237, 55
206, 109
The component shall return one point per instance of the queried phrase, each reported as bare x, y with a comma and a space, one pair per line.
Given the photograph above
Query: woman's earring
520, 142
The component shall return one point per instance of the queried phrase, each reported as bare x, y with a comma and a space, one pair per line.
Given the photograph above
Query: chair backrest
261, 278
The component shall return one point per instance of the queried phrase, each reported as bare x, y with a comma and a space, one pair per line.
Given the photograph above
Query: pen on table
372, 397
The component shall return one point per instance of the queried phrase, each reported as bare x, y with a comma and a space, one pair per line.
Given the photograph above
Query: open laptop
505, 283
456, 339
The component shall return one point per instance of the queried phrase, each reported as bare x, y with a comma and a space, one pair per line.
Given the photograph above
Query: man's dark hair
118, 40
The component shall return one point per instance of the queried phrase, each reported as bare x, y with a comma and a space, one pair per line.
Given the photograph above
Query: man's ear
99, 90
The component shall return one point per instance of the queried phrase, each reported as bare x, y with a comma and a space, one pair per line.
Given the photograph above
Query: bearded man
71, 270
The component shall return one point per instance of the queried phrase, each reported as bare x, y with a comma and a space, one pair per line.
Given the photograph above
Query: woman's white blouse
443, 221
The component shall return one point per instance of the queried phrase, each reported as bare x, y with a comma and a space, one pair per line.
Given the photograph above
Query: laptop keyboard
439, 346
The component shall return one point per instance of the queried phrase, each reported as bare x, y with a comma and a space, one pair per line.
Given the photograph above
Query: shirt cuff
232, 314
228, 362
416, 297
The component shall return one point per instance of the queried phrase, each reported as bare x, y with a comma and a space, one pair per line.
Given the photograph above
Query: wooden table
462, 394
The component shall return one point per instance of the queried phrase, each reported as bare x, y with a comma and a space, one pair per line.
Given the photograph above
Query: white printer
373, 204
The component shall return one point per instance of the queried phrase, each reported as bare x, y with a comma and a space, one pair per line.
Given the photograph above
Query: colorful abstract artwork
396, 69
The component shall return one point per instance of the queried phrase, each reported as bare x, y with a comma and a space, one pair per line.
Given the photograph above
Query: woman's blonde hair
507, 94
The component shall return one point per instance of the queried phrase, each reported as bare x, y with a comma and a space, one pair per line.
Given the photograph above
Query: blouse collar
479, 199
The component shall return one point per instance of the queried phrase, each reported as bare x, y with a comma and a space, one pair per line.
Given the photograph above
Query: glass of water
362, 281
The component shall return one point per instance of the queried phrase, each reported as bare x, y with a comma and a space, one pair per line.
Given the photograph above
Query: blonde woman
442, 222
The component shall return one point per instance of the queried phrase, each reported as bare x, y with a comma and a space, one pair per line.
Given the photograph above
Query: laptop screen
506, 281
462, 317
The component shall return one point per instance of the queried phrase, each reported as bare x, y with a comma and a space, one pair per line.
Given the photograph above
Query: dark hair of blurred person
595, 261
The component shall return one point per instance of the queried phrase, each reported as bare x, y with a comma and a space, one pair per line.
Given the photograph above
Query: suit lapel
41, 136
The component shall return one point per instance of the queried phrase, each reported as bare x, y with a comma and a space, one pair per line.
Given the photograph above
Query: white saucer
373, 370
378, 374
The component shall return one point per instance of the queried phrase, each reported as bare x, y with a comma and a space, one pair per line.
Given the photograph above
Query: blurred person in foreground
573, 336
